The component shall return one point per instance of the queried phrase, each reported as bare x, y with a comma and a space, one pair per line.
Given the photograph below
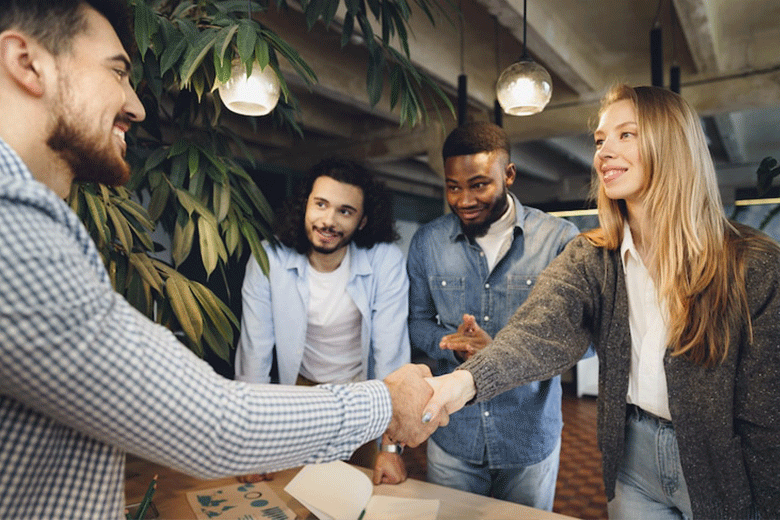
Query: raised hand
410, 393
468, 340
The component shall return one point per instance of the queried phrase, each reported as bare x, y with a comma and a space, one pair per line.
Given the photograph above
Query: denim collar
456, 231
360, 266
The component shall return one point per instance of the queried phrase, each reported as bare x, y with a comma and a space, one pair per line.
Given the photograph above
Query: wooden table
170, 498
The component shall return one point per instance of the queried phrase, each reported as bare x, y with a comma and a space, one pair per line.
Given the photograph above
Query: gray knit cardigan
727, 418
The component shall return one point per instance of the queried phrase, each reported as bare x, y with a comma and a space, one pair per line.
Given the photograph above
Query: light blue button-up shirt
449, 277
275, 310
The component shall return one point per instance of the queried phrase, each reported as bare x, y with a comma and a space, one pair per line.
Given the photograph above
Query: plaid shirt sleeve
86, 378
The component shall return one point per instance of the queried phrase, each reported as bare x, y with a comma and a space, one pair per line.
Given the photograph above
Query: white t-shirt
649, 333
498, 238
333, 352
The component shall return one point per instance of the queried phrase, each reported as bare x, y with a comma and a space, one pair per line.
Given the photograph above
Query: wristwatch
391, 448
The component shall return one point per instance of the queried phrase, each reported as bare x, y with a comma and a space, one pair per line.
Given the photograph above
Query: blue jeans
650, 481
532, 486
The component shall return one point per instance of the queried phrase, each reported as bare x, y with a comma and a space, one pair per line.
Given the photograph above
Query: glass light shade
255, 95
524, 88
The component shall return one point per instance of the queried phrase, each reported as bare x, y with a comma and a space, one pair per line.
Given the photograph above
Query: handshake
422, 403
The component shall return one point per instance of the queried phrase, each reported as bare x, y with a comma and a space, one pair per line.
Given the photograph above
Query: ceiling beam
695, 21
377, 147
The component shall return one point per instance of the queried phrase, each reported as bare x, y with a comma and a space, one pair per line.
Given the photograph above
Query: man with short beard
333, 307
468, 272
85, 378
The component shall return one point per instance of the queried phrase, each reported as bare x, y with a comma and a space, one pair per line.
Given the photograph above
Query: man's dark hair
474, 138
54, 23
380, 227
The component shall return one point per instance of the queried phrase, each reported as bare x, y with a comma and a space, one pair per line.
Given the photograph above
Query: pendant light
255, 94
525, 87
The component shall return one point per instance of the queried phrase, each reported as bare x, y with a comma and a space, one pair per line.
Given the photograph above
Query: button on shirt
449, 276
85, 378
647, 378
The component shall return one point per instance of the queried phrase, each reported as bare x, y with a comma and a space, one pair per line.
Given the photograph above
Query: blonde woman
683, 308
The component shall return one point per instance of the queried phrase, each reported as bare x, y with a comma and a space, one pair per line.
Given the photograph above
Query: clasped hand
422, 403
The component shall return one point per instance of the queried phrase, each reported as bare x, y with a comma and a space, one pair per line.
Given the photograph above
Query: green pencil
147, 499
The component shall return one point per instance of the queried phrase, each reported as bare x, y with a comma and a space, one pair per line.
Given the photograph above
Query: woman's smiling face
617, 159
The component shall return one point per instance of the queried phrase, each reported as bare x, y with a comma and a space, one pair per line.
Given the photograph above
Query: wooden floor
580, 489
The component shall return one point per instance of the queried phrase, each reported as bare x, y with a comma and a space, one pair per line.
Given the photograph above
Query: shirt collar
357, 257
519, 218
11, 164
627, 247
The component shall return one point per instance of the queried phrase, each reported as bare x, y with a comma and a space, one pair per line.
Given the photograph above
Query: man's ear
363, 222
510, 174
18, 60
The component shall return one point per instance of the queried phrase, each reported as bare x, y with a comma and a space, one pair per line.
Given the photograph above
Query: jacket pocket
449, 294
518, 287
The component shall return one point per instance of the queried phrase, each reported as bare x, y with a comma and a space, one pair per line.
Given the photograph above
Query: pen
147, 499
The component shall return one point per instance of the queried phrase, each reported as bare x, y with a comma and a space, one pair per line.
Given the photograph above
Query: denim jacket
275, 310
449, 277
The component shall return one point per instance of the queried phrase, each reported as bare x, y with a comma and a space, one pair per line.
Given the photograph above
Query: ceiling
728, 53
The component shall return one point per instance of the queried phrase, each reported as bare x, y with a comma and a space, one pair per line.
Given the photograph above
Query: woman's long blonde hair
697, 257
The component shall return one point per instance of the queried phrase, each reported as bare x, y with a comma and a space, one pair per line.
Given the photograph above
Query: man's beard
88, 160
332, 249
481, 229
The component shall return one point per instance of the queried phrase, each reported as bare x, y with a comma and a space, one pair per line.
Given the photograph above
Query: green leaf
146, 269
221, 204
222, 42
301, 67
186, 200
313, 12
179, 147
375, 79
208, 246
178, 171
219, 346
368, 32
155, 159
145, 26
353, 6
183, 237
185, 307
346, 28
245, 41
173, 51
121, 228
259, 200
211, 304
232, 235
261, 53
159, 200
329, 12
98, 212
375, 7
136, 210
255, 245
193, 161
195, 54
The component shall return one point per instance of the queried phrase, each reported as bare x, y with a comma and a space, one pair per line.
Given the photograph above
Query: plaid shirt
85, 378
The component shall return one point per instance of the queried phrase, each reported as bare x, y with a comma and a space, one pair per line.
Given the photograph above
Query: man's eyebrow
123, 60
347, 206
